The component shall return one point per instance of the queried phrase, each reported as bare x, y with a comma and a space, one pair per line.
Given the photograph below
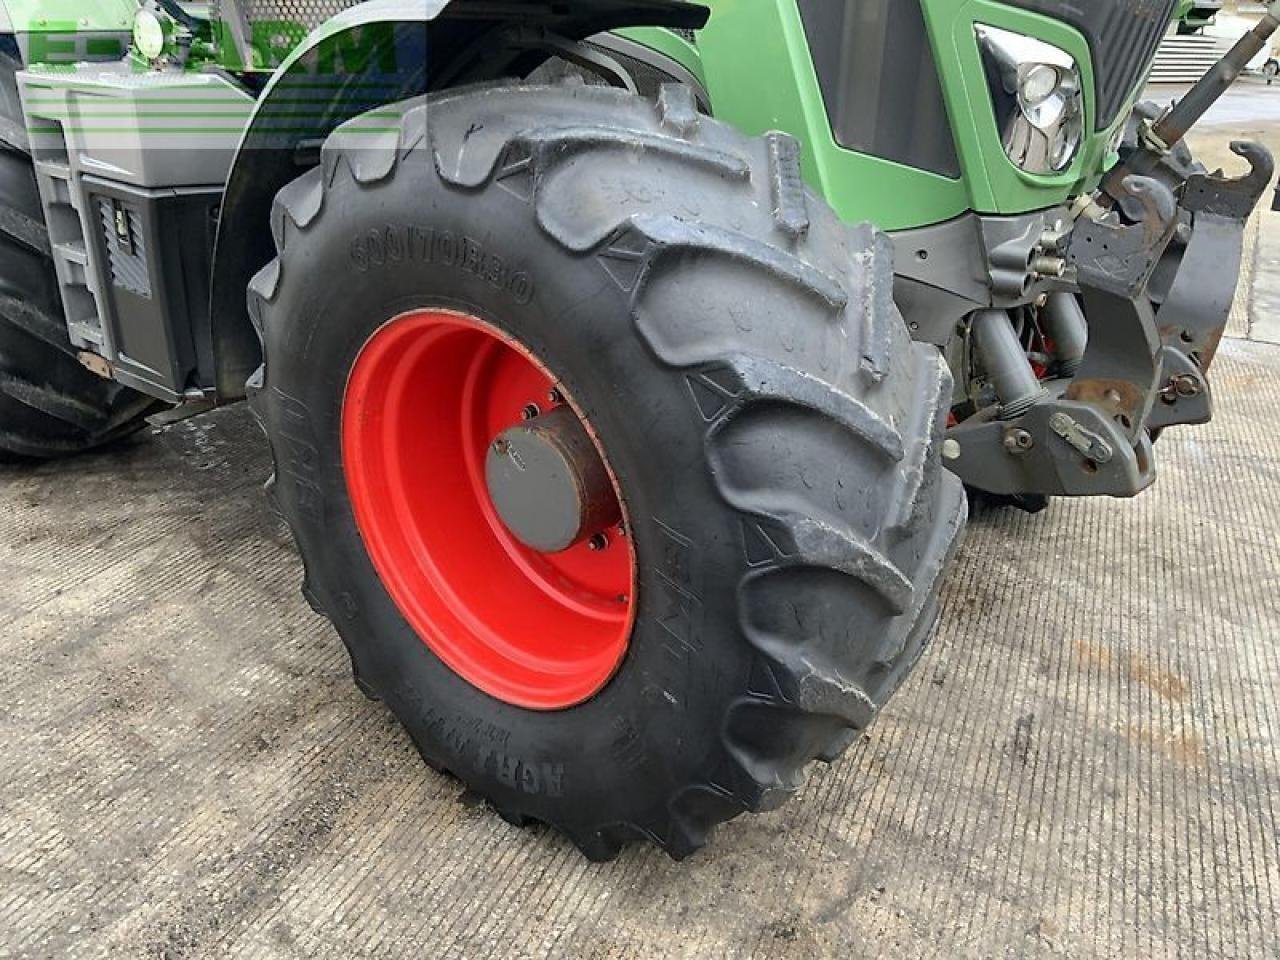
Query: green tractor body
798, 67
822, 260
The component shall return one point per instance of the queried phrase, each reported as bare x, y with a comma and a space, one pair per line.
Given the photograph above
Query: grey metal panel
946, 271
880, 81
150, 154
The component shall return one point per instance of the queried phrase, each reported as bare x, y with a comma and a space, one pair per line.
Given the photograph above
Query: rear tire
773, 432
50, 405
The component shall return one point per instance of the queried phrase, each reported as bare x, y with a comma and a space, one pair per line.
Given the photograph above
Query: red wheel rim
429, 392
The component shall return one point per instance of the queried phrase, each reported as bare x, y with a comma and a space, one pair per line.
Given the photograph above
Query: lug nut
598, 542
530, 411
555, 396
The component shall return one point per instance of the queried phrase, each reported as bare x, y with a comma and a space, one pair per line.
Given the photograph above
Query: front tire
773, 434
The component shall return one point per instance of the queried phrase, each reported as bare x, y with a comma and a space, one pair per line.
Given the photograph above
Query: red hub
429, 396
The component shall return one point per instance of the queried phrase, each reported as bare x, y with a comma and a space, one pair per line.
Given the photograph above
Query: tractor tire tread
882, 402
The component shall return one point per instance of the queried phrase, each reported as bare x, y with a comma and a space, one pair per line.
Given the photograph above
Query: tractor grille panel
1123, 35
305, 13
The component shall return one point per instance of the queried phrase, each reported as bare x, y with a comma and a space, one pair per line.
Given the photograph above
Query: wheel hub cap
548, 483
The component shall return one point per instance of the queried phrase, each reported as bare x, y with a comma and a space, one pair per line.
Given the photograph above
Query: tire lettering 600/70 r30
395, 244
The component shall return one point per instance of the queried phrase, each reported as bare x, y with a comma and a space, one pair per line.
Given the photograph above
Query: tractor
627, 365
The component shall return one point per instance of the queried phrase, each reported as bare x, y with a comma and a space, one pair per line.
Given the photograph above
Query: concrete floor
1084, 765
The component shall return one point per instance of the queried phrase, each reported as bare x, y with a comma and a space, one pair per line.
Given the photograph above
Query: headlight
150, 34
1038, 97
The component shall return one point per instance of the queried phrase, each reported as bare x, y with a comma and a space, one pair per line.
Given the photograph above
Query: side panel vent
126, 247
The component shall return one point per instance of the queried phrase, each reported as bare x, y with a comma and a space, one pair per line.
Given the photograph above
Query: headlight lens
1038, 97
150, 34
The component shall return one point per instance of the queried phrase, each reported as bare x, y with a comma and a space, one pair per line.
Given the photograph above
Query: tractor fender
374, 54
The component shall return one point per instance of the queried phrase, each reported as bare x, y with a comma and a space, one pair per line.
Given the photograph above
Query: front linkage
1141, 278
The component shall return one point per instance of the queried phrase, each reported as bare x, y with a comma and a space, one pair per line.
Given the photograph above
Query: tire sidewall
659, 719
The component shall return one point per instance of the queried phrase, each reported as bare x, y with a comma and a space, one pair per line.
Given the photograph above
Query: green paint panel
761, 77
70, 16
996, 185
754, 59
756, 63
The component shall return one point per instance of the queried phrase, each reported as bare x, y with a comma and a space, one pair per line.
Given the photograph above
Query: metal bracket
1119, 258
1185, 397
1120, 374
1148, 138
1009, 263
1092, 439
1058, 448
1232, 197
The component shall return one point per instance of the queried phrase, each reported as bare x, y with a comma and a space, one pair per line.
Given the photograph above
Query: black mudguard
377, 53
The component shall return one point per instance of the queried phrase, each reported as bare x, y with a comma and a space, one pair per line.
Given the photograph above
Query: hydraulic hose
1067, 327
1005, 361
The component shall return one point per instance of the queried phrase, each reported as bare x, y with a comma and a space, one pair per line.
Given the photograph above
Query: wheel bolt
530, 411
555, 396
598, 542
